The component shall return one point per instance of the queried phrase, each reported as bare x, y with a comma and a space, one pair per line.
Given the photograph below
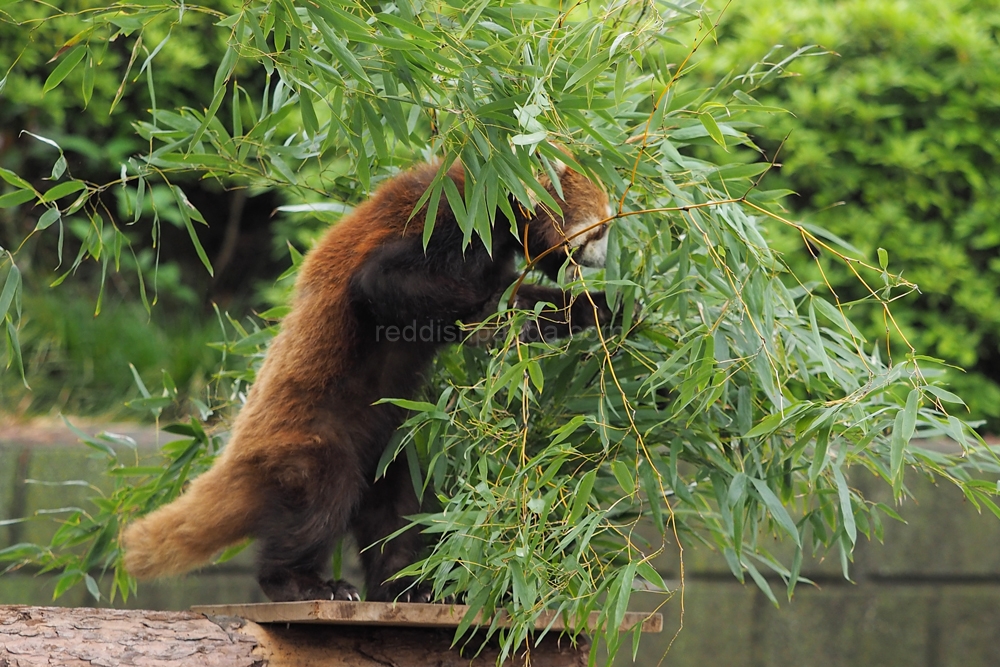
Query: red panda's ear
558, 165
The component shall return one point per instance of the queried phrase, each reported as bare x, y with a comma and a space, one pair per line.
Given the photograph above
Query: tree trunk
84, 637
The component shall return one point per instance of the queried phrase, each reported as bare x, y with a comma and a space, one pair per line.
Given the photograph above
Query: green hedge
92, 105
894, 143
75, 362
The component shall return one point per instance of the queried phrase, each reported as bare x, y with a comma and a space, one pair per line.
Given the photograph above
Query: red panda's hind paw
293, 587
343, 590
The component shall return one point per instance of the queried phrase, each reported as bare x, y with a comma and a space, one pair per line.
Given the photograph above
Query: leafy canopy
727, 407
893, 144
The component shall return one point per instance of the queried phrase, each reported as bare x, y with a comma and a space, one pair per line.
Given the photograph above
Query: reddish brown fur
221, 506
298, 470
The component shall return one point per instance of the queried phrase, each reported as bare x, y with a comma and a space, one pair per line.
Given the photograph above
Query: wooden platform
400, 614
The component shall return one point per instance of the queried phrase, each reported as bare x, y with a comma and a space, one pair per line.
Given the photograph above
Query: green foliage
74, 362
82, 89
85, 547
894, 143
728, 405
67, 352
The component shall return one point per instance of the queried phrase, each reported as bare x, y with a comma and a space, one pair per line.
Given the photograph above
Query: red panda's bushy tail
218, 510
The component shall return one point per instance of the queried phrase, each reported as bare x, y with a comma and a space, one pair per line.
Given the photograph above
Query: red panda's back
317, 342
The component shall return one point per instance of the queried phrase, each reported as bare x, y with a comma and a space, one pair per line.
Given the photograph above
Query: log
83, 637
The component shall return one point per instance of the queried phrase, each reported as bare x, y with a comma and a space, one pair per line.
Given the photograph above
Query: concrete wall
928, 597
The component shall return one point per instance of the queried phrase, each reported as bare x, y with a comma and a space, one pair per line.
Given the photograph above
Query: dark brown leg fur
302, 522
321, 492
379, 515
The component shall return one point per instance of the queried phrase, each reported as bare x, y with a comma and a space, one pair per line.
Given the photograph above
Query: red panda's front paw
597, 302
422, 594
402, 590
592, 310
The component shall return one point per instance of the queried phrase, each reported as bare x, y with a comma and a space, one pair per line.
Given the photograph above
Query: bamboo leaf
11, 286
582, 497
714, 131
14, 357
408, 27
339, 48
14, 179
62, 190
776, 509
624, 476
909, 421
16, 198
62, 70
896, 446
847, 513
587, 73
187, 211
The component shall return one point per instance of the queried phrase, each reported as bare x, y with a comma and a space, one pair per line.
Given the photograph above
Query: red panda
299, 470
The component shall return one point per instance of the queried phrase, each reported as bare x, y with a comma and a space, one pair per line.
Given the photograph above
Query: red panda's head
578, 229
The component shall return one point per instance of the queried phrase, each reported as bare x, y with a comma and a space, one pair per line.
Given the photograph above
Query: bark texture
84, 637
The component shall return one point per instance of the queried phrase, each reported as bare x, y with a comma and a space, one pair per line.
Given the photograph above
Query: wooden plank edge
399, 614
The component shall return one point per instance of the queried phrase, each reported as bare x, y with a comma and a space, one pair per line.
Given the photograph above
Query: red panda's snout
586, 213
589, 237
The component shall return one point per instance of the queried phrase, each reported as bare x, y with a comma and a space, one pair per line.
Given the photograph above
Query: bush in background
78, 364
894, 143
75, 362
